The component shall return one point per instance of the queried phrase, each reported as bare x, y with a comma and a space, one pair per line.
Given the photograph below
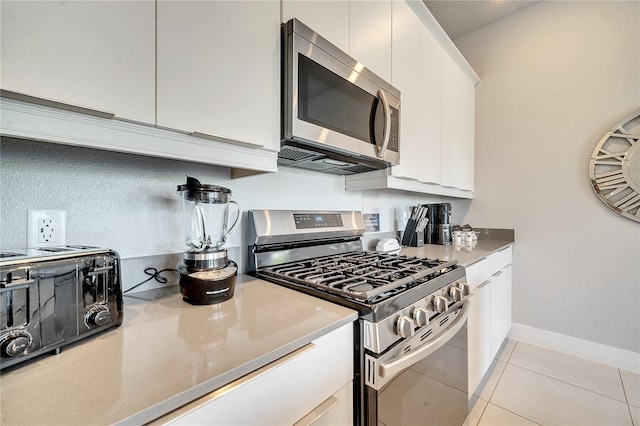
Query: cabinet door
458, 111
503, 319
329, 18
97, 54
370, 35
497, 312
219, 69
417, 72
479, 338
500, 308
508, 282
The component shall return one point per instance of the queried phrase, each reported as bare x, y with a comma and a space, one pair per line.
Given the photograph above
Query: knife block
411, 237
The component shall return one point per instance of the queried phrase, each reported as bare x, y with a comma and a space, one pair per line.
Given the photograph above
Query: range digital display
317, 220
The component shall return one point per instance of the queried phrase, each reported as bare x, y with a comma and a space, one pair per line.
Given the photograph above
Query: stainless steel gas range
410, 339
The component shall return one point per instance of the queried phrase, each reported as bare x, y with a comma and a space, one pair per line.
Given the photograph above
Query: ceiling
460, 17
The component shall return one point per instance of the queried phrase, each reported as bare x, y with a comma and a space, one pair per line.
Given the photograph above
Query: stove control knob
15, 344
440, 304
464, 288
456, 294
420, 316
97, 315
405, 326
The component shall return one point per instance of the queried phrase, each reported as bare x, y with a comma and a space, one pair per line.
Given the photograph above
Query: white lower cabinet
490, 312
312, 385
479, 334
500, 308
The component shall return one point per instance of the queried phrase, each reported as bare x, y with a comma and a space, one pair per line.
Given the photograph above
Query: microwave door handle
387, 124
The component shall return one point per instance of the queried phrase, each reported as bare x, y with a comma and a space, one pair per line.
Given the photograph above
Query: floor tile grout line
435, 380
502, 373
626, 397
513, 350
482, 414
566, 383
512, 412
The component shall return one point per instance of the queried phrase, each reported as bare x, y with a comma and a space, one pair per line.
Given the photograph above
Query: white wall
554, 78
128, 202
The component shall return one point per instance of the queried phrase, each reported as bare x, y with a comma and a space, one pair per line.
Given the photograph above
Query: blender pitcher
205, 210
206, 273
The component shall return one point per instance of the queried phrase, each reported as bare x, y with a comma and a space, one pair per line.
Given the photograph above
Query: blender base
208, 287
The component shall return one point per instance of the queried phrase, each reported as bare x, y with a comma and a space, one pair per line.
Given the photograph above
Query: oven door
329, 104
424, 379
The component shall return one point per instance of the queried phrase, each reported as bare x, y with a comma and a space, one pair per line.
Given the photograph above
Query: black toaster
54, 296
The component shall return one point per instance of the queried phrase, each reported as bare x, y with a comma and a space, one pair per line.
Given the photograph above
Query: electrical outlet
46, 228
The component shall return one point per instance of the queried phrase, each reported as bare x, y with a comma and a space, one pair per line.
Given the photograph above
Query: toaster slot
14, 298
58, 311
13, 308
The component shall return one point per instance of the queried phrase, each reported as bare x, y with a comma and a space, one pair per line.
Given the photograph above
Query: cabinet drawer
482, 270
501, 259
335, 411
279, 393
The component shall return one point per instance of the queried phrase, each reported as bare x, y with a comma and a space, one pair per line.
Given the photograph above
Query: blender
206, 273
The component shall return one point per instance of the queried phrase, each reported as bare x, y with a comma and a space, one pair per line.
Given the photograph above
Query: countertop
165, 354
465, 254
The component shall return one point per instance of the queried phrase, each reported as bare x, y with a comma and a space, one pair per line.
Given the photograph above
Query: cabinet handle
317, 412
54, 104
225, 140
484, 284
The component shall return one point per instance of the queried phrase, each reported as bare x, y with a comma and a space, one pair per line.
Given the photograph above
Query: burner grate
364, 276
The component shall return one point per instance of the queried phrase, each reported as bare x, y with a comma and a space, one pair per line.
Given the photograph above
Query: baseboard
609, 355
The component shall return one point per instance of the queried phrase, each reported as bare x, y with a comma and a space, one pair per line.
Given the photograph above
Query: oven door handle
396, 365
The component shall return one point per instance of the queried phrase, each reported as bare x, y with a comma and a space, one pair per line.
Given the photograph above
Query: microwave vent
293, 154
360, 168
296, 153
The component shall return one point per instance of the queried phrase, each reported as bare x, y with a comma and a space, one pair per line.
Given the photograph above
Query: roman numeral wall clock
614, 168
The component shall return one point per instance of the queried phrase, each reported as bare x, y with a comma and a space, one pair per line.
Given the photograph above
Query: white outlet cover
58, 234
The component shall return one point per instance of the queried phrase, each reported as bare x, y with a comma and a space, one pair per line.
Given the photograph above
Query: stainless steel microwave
337, 116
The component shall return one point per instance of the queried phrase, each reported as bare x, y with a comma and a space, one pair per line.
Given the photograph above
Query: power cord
154, 274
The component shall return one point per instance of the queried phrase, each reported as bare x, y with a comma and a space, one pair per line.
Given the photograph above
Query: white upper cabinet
94, 54
416, 61
457, 126
218, 70
329, 18
370, 35
360, 28
437, 112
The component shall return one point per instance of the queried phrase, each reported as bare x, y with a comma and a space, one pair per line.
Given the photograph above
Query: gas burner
369, 277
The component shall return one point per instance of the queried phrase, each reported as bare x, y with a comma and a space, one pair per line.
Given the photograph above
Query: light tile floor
529, 385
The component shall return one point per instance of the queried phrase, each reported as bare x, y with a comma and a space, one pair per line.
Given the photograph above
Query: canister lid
193, 190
